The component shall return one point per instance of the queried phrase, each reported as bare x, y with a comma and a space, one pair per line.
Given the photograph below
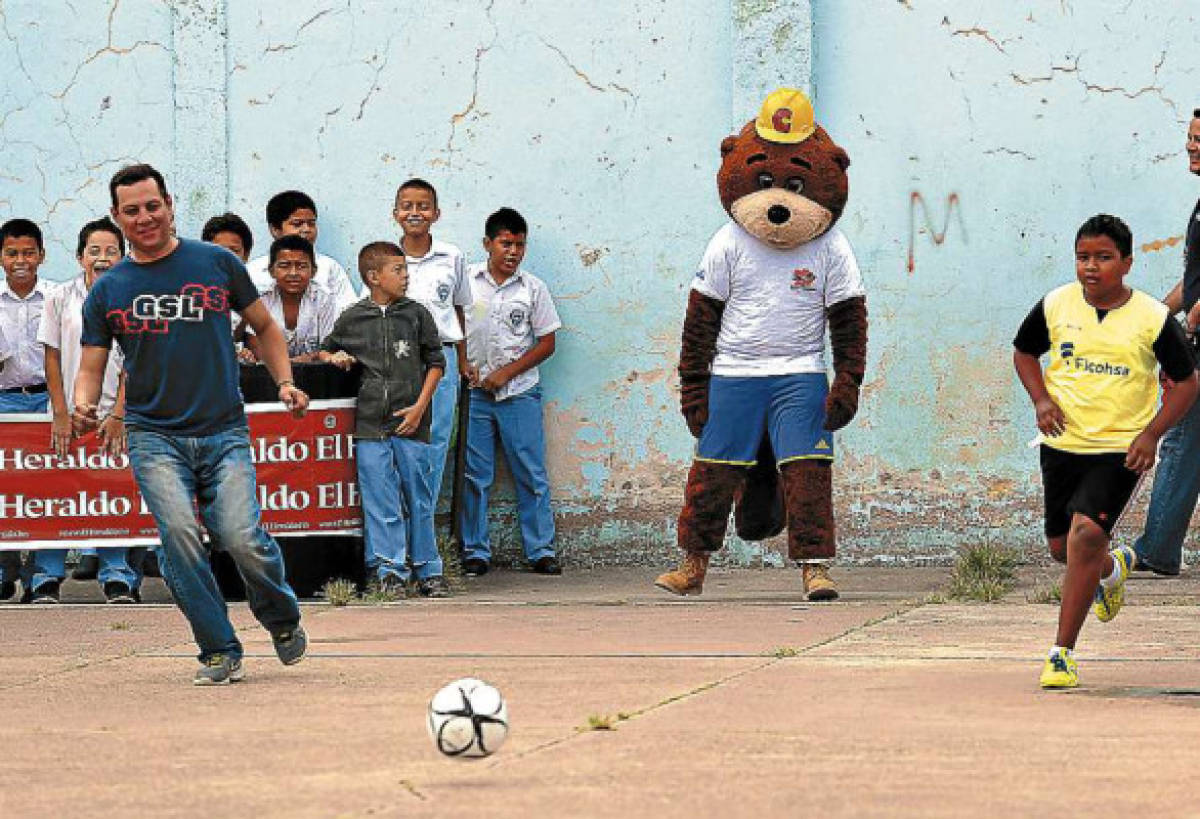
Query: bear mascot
755, 392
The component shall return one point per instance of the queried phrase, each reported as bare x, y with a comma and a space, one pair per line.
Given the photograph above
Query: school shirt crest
516, 317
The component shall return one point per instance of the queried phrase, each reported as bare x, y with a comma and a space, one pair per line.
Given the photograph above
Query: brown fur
848, 338
707, 500
759, 512
700, 328
808, 493
825, 182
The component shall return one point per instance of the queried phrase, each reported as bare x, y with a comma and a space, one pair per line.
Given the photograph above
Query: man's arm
88, 383
273, 352
1174, 299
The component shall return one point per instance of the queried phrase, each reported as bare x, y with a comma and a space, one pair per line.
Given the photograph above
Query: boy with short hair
22, 363
510, 331
396, 342
305, 311
437, 278
295, 213
231, 232
100, 246
1095, 407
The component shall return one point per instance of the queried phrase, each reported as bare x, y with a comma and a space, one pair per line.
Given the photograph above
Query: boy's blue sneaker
1060, 671
219, 669
1109, 600
290, 645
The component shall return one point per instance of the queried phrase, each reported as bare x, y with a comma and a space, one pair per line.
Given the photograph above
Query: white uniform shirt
61, 328
330, 275
25, 365
505, 321
438, 280
318, 312
775, 300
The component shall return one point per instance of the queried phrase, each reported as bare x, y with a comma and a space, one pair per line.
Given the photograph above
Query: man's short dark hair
282, 205
104, 225
418, 184
1196, 112
372, 256
292, 242
131, 175
1111, 226
22, 229
505, 219
228, 223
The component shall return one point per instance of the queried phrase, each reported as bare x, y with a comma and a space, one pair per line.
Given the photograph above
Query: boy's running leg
164, 468
479, 471
1087, 554
227, 494
519, 422
385, 529
1110, 594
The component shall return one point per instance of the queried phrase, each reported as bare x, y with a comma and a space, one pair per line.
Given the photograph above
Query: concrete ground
744, 702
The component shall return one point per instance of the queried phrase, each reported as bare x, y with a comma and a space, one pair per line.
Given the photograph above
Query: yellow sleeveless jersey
1102, 374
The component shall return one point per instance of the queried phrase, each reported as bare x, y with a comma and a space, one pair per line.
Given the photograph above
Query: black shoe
150, 564
475, 567
547, 565
45, 593
7, 589
435, 586
117, 592
1140, 565
87, 568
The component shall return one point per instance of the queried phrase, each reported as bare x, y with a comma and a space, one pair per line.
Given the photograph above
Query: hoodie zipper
387, 372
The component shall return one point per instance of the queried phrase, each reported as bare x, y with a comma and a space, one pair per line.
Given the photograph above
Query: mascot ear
842, 159
729, 143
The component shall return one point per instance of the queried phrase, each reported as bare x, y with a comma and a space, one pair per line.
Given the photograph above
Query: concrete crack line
586, 79
379, 67
976, 31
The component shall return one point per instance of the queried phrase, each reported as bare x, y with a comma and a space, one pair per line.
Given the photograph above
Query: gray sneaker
219, 669
290, 645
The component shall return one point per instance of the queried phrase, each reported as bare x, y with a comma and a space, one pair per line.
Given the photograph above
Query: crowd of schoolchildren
425, 321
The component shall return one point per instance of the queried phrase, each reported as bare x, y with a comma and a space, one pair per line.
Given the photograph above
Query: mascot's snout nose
778, 214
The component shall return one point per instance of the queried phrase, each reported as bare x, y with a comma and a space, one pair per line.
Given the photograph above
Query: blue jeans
215, 473
517, 423
397, 512
17, 402
118, 563
48, 564
12, 403
1173, 497
442, 417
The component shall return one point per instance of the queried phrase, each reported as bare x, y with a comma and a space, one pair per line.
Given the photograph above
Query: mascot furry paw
752, 364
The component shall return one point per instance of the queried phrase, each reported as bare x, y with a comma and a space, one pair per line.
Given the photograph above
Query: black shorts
1094, 485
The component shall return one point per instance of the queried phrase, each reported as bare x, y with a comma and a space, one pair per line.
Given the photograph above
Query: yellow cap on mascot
786, 117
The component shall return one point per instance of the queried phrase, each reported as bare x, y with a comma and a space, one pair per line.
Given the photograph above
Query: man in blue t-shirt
167, 304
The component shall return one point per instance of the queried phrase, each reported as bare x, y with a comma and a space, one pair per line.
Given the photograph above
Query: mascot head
782, 178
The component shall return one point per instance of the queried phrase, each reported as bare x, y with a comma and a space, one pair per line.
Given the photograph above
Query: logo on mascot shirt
803, 279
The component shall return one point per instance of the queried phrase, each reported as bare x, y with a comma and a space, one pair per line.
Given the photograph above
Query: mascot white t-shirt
775, 299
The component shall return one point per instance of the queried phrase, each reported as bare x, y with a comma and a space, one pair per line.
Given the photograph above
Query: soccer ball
468, 718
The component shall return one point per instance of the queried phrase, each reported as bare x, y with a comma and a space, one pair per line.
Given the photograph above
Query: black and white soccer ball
468, 718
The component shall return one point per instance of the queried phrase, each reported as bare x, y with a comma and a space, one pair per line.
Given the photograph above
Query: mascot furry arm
701, 326
848, 338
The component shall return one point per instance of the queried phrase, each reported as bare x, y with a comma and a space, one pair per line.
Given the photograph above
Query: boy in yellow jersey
1096, 408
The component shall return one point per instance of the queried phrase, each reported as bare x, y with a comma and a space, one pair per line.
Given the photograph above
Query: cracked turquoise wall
980, 134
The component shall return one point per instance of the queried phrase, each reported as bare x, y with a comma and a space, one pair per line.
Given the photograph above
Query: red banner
307, 483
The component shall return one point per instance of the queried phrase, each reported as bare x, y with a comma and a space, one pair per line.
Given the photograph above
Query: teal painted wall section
981, 134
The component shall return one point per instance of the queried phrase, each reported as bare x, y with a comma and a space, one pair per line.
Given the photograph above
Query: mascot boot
707, 500
808, 493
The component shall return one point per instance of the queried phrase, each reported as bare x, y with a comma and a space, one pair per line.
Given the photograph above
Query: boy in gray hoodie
395, 341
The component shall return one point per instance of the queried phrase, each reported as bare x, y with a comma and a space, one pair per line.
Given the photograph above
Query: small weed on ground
785, 651
121, 625
984, 573
339, 592
1051, 595
599, 722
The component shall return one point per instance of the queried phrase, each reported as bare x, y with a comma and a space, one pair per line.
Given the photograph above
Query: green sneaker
219, 669
1109, 601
